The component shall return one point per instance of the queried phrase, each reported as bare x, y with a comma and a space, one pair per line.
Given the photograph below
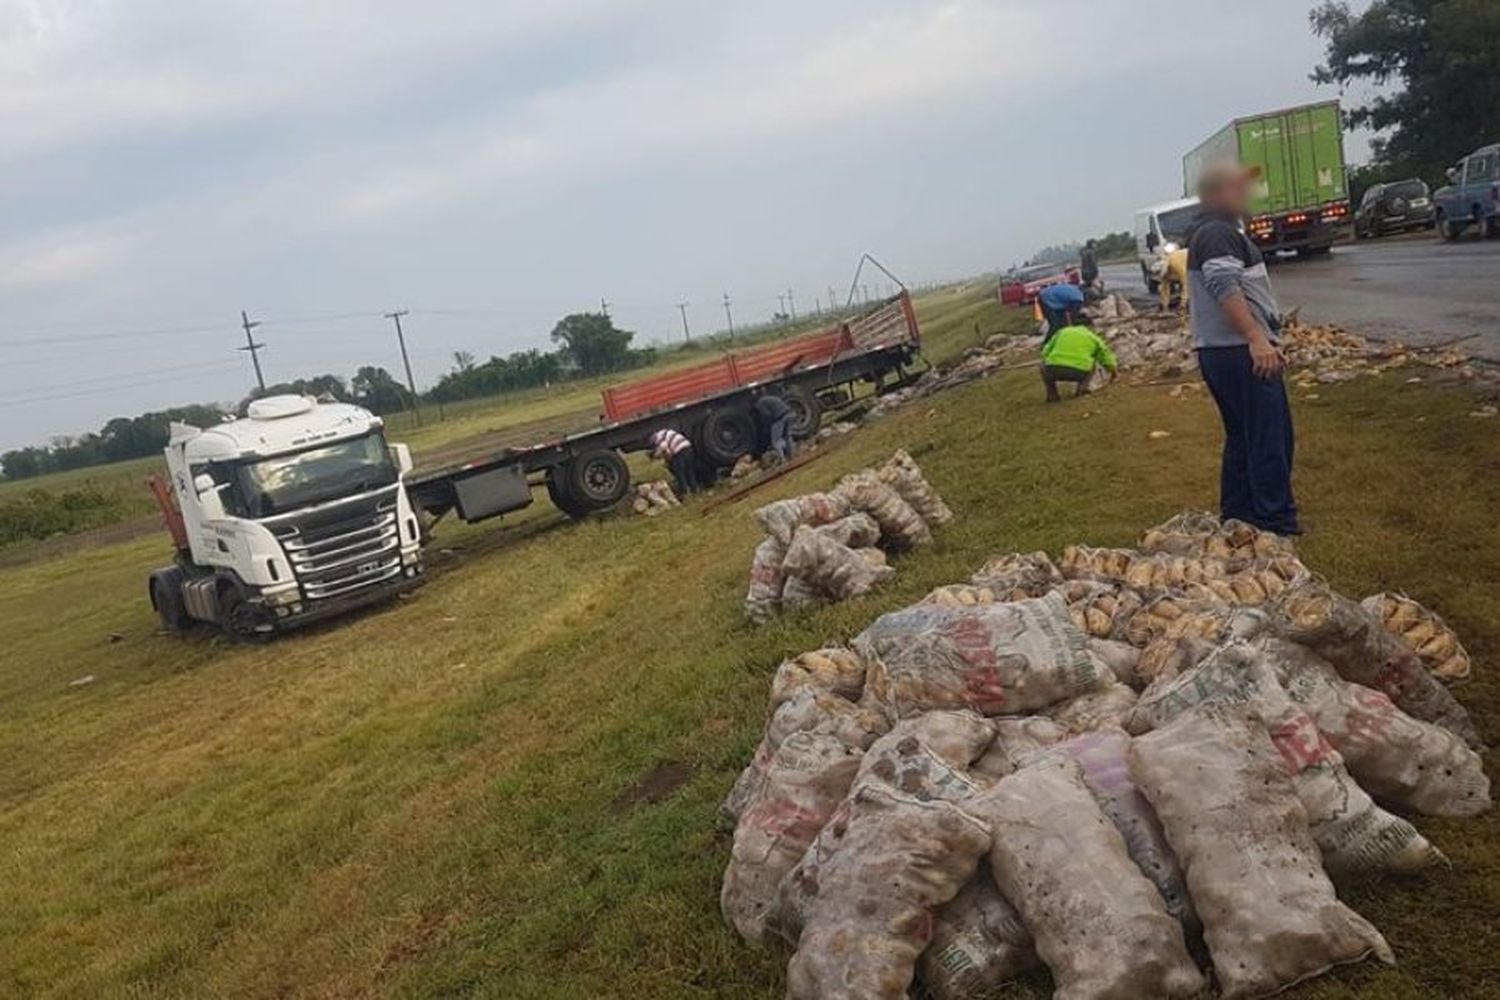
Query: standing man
1061, 305
1088, 264
1070, 355
774, 419
677, 451
1236, 330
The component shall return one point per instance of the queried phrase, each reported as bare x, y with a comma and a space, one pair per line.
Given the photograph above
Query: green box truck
1301, 199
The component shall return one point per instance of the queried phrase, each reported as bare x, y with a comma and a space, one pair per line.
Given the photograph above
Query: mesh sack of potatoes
1352, 832
858, 531
866, 890
1054, 853
978, 943
1424, 631
806, 779
767, 580
1121, 658
1183, 534
900, 524
1083, 562
799, 595
1102, 756
902, 474
782, 518
1027, 574
1197, 534
653, 498
995, 659
926, 755
806, 710
1017, 737
1404, 761
1361, 650
1110, 705
833, 669
1101, 610
1177, 618
836, 570
962, 595
1270, 915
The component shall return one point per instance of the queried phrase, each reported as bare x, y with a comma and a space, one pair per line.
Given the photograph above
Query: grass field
505, 786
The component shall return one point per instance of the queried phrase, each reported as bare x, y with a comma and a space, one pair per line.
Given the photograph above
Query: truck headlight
282, 597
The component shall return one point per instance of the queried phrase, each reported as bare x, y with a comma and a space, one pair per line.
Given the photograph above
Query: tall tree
378, 391
1445, 57
592, 343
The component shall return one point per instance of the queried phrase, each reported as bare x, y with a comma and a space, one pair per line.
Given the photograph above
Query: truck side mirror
1152, 240
1452, 174
401, 454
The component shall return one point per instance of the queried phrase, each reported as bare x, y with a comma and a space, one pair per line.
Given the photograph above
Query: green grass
434, 799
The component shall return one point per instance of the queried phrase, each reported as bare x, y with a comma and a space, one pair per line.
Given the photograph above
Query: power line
252, 347
100, 391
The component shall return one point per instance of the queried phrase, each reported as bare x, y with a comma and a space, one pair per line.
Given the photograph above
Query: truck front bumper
287, 616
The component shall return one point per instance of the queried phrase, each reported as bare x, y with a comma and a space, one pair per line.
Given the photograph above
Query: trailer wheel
166, 598
557, 491
727, 434
807, 410
596, 480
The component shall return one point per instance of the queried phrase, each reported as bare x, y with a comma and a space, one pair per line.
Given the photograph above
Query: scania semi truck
301, 509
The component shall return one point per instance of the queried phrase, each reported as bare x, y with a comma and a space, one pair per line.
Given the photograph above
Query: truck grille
344, 547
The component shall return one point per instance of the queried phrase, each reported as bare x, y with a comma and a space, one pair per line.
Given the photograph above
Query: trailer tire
807, 410
557, 491
595, 481
726, 434
166, 599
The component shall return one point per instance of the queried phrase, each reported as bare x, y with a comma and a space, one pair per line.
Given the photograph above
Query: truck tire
166, 599
1152, 285
726, 434
807, 410
557, 491
1449, 230
595, 481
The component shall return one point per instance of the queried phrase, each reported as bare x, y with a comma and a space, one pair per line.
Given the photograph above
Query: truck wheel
1152, 285
727, 434
557, 491
596, 480
807, 411
166, 598
239, 619
1449, 230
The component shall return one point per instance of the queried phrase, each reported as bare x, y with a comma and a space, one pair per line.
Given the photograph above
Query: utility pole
791, 300
817, 305
411, 383
604, 307
833, 300
866, 289
687, 335
781, 307
729, 316
252, 347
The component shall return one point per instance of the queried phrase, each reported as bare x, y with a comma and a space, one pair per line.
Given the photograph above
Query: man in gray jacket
1236, 329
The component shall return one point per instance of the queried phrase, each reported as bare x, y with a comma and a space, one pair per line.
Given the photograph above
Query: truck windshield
1174, 224
286, 482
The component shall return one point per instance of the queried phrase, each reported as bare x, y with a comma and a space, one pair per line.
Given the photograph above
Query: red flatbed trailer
709, 402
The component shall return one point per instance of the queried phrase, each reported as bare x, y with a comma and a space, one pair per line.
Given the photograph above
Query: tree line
588, 344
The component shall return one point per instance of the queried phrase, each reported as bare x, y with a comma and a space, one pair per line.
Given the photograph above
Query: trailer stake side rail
710, 403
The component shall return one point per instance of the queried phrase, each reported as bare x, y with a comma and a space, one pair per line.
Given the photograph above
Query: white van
1159, 230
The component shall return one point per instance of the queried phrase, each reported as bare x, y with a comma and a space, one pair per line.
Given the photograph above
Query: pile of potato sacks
1145, 770
825, 547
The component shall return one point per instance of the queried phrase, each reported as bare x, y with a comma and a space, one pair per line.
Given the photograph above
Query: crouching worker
774, 419
1060, 305
676, 450
1071, 355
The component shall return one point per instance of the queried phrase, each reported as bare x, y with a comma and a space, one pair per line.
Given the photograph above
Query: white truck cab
1160, 230
290, 514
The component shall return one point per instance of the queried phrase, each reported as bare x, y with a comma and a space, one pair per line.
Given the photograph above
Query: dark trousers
685, 471
1255, 484
779, 436
1056, 320
1053, 374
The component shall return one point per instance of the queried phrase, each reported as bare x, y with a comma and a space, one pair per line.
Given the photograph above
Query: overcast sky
492, 165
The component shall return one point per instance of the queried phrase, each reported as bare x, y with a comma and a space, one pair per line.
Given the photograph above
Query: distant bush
38, 513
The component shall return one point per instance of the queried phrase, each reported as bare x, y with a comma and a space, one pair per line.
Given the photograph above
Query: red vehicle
1021, 286
709, 402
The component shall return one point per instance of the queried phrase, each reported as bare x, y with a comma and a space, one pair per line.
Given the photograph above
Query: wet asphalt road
1415, 290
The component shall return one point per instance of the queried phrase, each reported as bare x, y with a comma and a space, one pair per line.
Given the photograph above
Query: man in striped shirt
677, 451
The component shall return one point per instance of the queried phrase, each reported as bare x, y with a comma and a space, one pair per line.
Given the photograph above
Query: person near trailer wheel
774, 418
673, 448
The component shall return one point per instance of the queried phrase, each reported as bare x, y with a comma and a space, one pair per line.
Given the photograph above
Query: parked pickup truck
1021, 286
1472, 197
